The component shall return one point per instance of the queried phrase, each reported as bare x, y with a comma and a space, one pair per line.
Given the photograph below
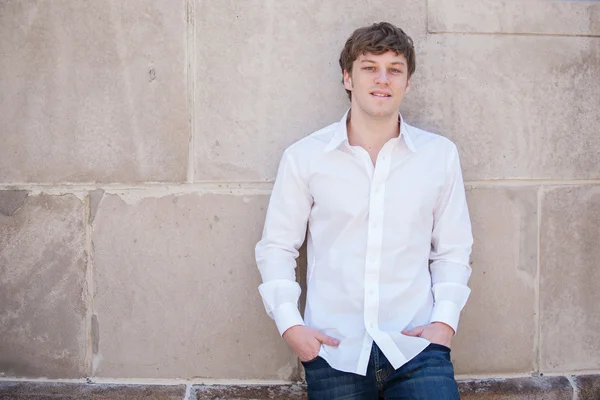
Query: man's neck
371, 133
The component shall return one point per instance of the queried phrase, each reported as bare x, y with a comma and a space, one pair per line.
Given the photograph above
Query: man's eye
396, 71
369, 68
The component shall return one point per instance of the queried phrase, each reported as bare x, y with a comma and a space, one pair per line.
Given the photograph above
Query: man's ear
347, 80
407, 86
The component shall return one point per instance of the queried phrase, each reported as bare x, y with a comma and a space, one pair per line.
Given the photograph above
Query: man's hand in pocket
436, 332
306, 341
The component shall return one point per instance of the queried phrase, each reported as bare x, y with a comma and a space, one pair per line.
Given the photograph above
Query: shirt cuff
286, 316
446, 312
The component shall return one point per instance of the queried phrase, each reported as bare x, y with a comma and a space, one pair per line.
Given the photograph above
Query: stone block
80, 391
250, 392
93, 92
540, 388
569, 295
498, 322
42, 279
515, 16
176, 290
272, 77
588, 387
517, 106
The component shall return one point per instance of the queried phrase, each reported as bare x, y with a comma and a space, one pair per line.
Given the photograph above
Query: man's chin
382, 114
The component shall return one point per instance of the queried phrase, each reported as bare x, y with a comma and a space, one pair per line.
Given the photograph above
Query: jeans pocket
435, 346
309, 362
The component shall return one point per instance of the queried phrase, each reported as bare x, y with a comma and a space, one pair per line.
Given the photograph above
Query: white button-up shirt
388, 245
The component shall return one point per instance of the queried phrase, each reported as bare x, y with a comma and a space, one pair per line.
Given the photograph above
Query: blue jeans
428, 376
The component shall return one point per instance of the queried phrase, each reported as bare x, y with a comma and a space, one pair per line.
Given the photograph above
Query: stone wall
140, 140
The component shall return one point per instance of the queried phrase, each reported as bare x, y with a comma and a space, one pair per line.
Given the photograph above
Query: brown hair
377, 39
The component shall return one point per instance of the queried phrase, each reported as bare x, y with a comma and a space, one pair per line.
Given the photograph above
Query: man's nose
382, 77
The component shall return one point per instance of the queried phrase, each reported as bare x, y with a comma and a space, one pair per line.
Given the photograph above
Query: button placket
374, 240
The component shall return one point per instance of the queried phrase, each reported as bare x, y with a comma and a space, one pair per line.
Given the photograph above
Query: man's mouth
380, 94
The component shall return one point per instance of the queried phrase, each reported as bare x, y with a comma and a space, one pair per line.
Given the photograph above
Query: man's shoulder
314, 142
421, 138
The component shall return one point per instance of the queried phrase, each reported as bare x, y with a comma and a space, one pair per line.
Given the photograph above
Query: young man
389, 239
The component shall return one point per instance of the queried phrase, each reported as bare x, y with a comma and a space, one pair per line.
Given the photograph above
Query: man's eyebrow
394, 63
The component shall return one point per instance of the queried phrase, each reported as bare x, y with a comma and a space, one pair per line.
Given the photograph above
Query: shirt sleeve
283, 234
451, 244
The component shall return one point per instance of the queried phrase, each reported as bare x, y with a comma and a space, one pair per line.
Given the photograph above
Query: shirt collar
405, 133
341, 134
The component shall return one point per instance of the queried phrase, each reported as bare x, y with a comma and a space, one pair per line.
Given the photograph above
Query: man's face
378, 83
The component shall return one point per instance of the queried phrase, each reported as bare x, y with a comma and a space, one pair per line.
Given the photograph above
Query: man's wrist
446, 312
286, 316
289, 329
445, 325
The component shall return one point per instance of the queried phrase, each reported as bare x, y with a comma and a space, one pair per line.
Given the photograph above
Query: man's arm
451, 243
276, 253
283, 234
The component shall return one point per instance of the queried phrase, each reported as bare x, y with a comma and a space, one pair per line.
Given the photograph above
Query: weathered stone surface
276, 76
541, 388
588, 387
101, 98
517, 106
42, 269
515, 16
176, 290
11, 201
250, 392
498, 321
569, 295
80, 391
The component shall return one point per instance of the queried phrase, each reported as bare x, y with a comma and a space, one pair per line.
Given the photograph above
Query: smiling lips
381, 94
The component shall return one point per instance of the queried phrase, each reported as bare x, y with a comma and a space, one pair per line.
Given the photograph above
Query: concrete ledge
23, 390
246, 392
532, 388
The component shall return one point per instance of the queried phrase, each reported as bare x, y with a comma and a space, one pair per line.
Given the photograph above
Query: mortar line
208, 382
524, 34
251, 184
156, 381
191, 85
86, 187
574, 386
188, 392
504, 375
89, 288
427, 31
152, 190
516, 375
537, 287
532, 182
573, 373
